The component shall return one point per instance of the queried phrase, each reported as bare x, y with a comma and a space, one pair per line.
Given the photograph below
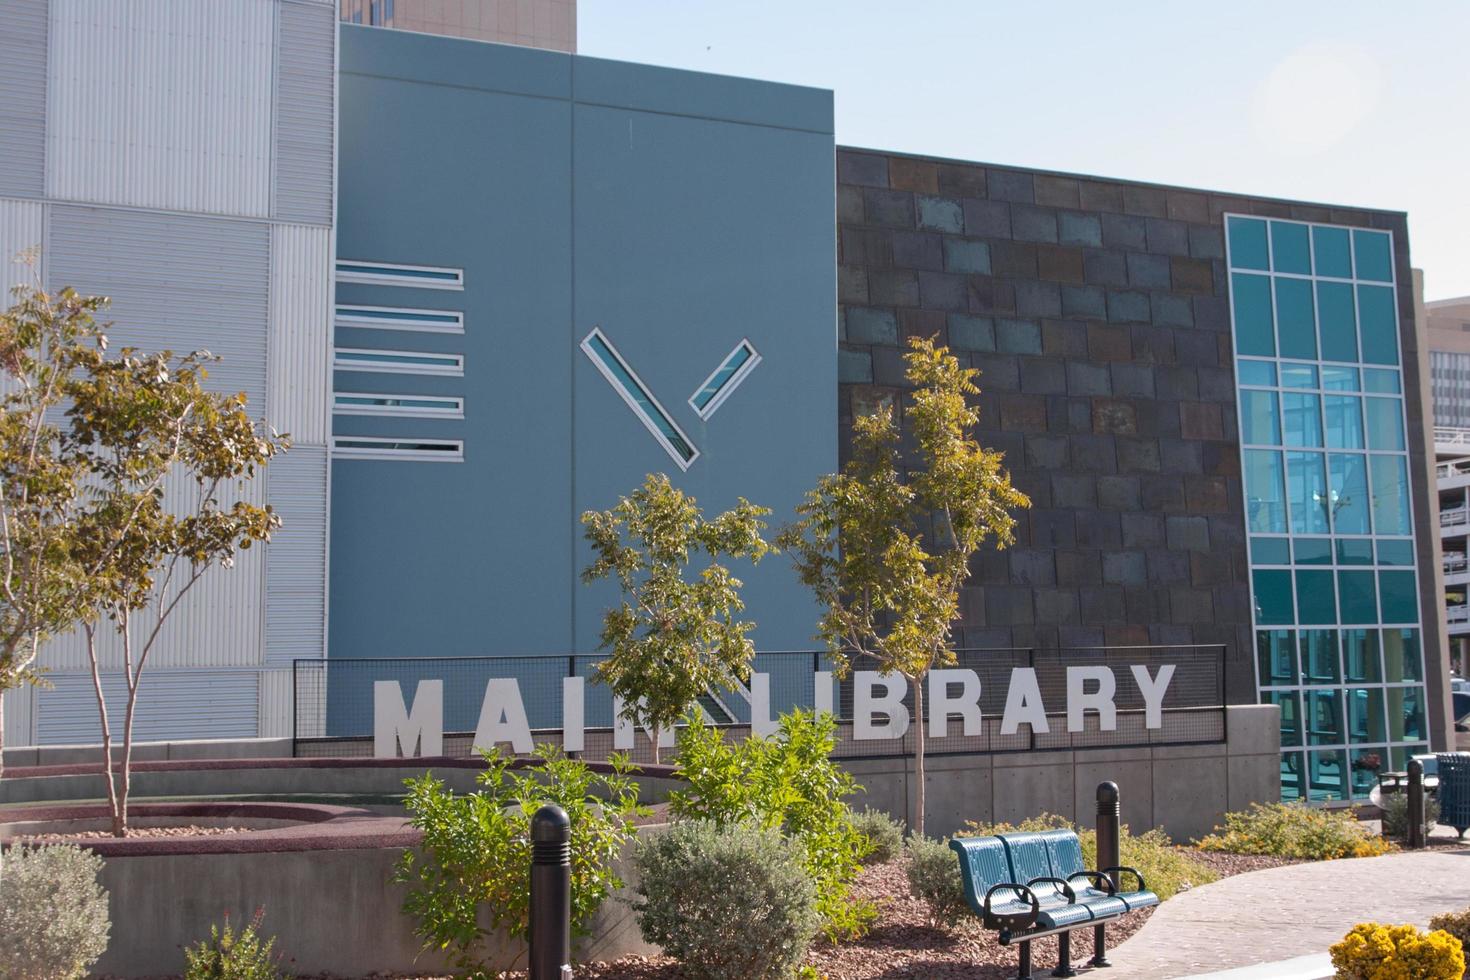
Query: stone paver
1282, 913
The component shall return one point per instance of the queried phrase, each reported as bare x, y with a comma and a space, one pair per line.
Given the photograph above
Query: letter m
394, 725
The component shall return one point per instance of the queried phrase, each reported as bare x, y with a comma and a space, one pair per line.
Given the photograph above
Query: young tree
83, 506
886, 558
671, 640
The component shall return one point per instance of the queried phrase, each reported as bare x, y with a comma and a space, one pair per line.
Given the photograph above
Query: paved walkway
1295, 911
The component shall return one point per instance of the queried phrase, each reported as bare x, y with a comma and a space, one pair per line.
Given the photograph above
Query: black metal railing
334, 700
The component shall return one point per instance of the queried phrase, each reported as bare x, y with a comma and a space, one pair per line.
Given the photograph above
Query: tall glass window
1324, 464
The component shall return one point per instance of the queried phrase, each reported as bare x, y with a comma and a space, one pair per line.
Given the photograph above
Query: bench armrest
1097, 878
1024, 892
1133, 871
1064, 885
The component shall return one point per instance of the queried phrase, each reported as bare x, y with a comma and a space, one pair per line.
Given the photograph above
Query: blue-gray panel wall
474, 557
678, 235
691, 235
23, 34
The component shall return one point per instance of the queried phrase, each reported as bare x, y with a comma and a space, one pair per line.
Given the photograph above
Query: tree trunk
657, 736
117, 829
918, 683
120, 819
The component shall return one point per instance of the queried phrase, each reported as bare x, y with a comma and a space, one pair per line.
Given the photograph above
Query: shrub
1377, 952
934, 878
884, 835
1457, 924
1294, 830
787, 783
1165, 868
729, 902
53, 913
1396, 815
231, 955
476, 851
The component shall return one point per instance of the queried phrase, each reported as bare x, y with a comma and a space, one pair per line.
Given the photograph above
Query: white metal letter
822, 691
1079, 702
503, 717
395, 725
865, 705
1152, 689
573, 714
1023, 704
760, 706
966, 703
623, 730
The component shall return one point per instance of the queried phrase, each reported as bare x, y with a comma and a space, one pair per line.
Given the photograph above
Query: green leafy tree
476, 851
671, 639
89, 443
886, 557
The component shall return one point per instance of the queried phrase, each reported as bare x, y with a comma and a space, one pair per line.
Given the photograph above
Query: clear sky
1362, 103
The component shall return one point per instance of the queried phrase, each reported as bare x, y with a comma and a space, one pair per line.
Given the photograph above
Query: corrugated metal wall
275, 704
23, 29
305, 91
296, 559
220, 623
18, 703
162, 104
177, 705
177, 282
300, 332
22, 226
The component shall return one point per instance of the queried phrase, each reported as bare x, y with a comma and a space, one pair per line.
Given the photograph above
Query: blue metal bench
1027, 886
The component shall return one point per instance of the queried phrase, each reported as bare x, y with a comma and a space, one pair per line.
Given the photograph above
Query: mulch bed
903, 945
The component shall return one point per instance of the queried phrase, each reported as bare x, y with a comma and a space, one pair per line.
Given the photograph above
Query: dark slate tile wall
1097, 313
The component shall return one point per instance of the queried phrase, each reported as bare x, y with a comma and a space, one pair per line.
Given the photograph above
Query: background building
1448, 323
179, 158
550, 24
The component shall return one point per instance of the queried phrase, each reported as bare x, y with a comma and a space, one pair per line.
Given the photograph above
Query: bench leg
1064, 957
1023, 965
1100, 946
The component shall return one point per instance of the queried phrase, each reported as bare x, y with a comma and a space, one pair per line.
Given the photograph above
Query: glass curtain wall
1328, 509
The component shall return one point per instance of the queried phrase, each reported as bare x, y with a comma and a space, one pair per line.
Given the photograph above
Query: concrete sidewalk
1296, 911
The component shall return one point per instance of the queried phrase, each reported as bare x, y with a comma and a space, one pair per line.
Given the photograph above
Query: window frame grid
1276, 359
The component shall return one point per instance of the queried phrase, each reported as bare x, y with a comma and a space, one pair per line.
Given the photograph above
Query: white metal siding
22, 226
18, 716
161, 103
296, 558
218, 624
177, 282
176, 705
305, 81
275, 704
23, 97
300, 375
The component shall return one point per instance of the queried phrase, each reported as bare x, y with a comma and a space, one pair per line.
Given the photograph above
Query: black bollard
1109, 832
551, 894
1416, 804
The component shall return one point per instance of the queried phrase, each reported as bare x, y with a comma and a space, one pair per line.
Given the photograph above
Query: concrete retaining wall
1185, 789
333, 912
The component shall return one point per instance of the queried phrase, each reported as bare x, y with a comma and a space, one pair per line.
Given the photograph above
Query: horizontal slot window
397, 361
421, 276
398, 318
355, 403
725, 379
424, 450
632, 390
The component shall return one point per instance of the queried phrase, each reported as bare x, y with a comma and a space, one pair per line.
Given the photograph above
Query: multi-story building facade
1448, 323
592, 271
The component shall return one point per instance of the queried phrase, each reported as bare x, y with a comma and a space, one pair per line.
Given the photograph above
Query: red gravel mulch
133, 832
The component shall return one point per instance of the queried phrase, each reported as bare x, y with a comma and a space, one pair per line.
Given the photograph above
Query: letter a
503, 717
1023, 704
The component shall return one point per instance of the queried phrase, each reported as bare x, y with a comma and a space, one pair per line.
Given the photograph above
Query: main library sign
879, 711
